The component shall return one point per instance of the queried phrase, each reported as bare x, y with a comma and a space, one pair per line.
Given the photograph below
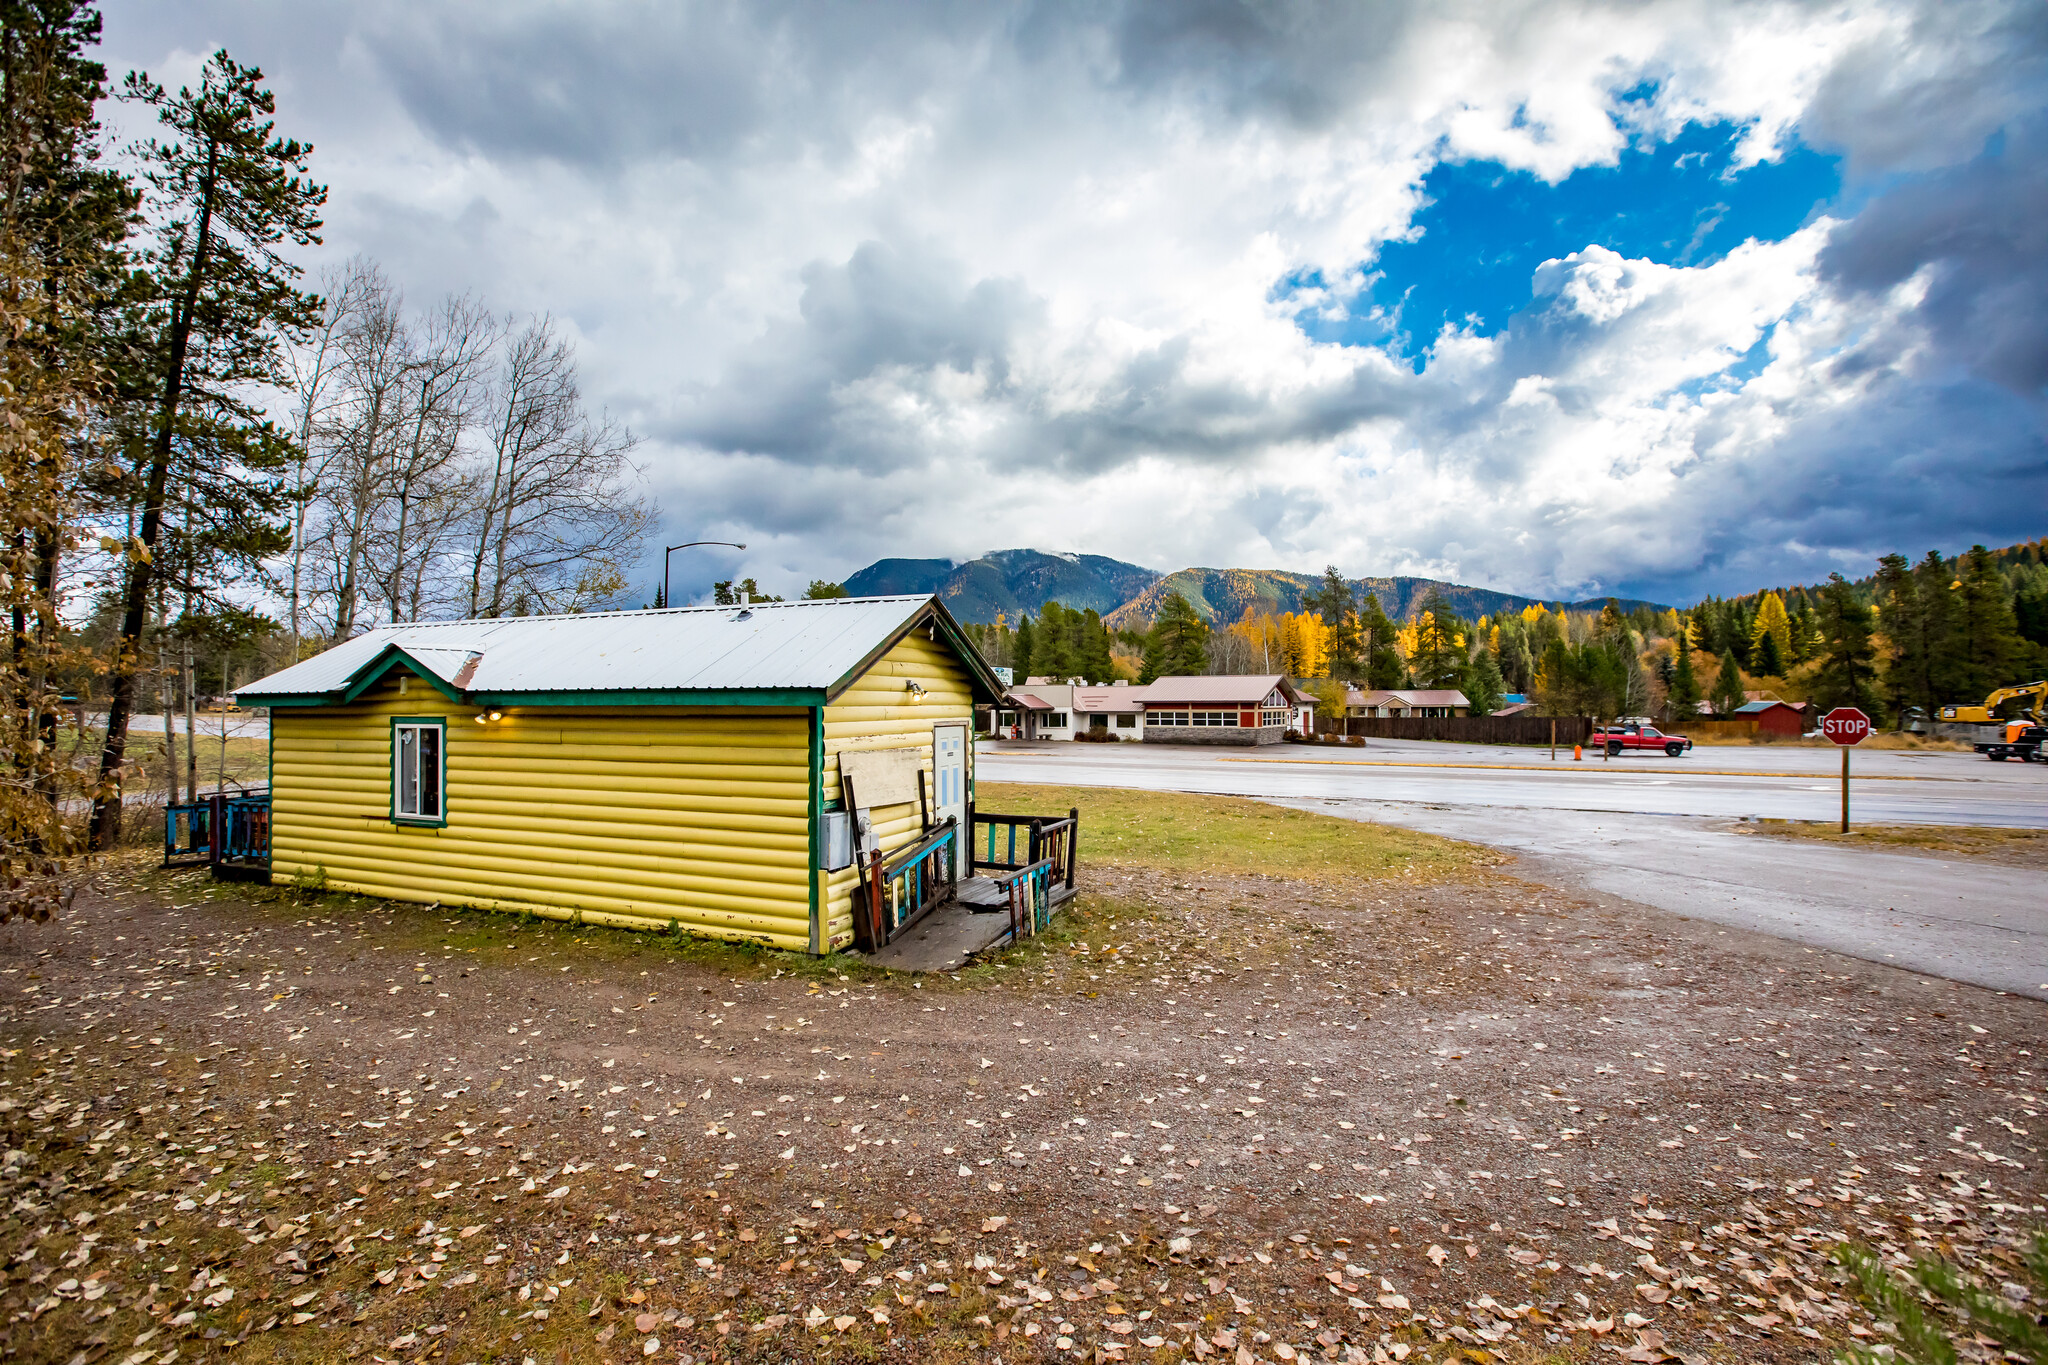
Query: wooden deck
950, 935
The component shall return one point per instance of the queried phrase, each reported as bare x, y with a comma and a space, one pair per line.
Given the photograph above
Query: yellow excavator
2024, 732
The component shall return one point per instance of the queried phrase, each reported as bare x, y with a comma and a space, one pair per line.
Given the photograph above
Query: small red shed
1775, 717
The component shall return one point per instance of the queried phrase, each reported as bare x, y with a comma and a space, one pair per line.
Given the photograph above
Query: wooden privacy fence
1469, 729
1716, 729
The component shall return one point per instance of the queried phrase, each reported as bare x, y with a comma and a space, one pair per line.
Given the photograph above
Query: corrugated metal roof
767, 645
1424, 697
1229, 689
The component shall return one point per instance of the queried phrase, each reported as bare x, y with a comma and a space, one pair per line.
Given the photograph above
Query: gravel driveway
1245, 1118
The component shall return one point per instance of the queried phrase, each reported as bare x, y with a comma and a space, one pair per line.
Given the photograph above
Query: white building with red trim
1229, 709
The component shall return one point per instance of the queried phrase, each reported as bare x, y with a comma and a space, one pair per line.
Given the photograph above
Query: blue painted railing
903, 888
188, 834
228, 833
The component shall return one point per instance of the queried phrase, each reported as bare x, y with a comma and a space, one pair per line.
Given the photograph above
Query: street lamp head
669, 550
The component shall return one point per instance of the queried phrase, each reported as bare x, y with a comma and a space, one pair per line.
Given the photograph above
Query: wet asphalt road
1666, 832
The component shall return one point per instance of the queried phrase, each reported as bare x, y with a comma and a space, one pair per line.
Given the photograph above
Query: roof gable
1217, 690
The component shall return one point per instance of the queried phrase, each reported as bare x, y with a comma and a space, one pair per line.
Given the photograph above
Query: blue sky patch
1485, 229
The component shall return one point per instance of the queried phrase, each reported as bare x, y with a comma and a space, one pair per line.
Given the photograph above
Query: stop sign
1845, 725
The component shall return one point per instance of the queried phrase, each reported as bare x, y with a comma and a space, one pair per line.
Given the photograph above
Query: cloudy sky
1655, 298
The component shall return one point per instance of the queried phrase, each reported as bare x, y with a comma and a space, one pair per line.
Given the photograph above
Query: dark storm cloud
906, 316
1980, 232
600, 88
1964, 70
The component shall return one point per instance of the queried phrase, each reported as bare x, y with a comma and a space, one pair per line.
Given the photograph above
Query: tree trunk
169, 697
189, 677
106, 810
48, 547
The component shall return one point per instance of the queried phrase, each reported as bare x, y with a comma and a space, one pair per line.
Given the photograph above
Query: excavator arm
1984, 714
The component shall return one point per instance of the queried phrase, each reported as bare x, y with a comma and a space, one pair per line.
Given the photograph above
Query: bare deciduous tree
560, 511
424, 496
357, 441
314, 366
454, 467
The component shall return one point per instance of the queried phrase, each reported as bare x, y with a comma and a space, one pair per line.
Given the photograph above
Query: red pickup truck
1617, 739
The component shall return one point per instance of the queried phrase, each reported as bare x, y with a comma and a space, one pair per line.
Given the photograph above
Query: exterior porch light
917, 694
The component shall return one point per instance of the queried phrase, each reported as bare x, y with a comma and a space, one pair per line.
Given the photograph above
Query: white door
949, 781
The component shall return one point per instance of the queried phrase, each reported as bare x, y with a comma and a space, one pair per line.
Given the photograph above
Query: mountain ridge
1222, 596
1014, 583
1017, 583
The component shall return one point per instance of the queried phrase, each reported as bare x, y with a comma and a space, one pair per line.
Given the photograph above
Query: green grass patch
1182, 833
2026, 847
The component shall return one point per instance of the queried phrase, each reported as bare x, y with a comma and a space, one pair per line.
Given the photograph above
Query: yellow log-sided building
643, 769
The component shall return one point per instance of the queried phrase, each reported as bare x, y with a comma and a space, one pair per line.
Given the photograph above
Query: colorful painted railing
902, 889
1028, 892
229, 833
996, 841
188, 834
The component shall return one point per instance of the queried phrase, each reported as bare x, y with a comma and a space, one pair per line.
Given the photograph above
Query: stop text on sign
1845, 725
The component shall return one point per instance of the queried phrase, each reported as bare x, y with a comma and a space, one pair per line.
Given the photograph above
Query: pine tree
1177, 646
1611, 622
1094, 652
218, 301
1483, 684
821, 590
1728, 691
1848, 668
1772, 624
1439, 657
1333, 600
1682, 697
62, 220
1765, 657
1907, 663
1377, 655
1983, 641
1025, 651
1804, 633
1053, 654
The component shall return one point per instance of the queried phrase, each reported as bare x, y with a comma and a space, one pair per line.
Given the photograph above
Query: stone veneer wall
1214, 734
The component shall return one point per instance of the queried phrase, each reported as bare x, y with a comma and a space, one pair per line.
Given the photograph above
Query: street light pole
665, 600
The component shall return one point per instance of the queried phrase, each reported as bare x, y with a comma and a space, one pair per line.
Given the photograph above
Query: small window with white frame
419, 770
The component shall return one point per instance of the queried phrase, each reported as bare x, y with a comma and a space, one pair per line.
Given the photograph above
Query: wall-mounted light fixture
486, 717
917, 694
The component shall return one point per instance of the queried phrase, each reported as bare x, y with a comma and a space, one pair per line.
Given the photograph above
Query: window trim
439, 723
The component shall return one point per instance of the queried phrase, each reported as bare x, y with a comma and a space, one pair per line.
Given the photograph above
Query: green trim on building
817, 805
391, 767
381, 669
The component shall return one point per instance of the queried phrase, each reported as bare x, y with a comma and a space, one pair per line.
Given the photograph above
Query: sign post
1847, 727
